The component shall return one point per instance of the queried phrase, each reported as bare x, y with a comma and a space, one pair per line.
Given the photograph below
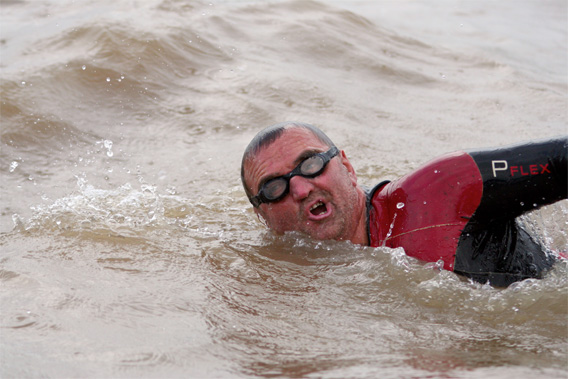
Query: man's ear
345, 162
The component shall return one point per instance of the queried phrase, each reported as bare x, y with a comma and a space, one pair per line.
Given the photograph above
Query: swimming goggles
275, 189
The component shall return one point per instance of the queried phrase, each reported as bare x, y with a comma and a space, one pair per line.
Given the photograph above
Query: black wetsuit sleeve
493, 247
521, 178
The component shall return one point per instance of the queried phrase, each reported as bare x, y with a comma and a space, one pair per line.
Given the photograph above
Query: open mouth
318, 209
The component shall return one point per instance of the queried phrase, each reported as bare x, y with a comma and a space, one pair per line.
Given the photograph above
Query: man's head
298, 181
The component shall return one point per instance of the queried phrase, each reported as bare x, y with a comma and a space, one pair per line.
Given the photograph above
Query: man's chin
323, 234
322, 231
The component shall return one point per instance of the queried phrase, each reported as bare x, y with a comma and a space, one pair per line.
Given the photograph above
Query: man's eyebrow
303, 156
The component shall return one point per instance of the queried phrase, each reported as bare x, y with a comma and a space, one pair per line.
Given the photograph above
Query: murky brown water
128, 248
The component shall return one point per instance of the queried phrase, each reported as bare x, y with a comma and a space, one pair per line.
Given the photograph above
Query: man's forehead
283, 152
293, 140
300, 139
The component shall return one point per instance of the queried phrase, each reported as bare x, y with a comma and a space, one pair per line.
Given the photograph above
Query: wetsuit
461, 208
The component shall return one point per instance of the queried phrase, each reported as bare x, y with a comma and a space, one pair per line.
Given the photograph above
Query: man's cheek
278, 224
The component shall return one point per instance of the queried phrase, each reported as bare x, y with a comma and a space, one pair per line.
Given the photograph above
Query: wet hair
268, 135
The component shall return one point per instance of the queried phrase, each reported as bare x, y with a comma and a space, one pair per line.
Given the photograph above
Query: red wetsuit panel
425, 211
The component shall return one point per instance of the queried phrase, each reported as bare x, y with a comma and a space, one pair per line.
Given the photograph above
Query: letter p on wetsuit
462, 208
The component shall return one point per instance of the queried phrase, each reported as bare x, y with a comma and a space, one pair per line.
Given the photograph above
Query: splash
124, 211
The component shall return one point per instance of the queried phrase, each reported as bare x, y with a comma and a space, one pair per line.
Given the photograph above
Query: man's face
321, 207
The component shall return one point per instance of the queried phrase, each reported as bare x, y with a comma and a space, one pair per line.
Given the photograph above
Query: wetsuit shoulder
425, 211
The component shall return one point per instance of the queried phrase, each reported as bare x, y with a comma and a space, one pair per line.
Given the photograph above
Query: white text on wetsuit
519, 170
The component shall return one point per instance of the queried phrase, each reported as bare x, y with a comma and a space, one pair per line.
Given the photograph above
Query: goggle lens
275, 188
312, 166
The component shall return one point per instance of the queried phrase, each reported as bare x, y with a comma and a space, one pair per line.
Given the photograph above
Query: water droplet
16, 219
108, 79
23, 83
13, 166
108, 145
522, 204
83, 67
400, 205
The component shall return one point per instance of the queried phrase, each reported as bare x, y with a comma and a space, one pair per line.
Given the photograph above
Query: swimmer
460, 208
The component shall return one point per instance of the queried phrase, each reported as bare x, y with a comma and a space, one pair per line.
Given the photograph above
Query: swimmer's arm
521, 178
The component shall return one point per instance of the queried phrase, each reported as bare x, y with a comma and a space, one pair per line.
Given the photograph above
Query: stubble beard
340, 226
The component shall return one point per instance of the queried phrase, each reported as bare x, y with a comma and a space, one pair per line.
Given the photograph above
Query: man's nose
300, 187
